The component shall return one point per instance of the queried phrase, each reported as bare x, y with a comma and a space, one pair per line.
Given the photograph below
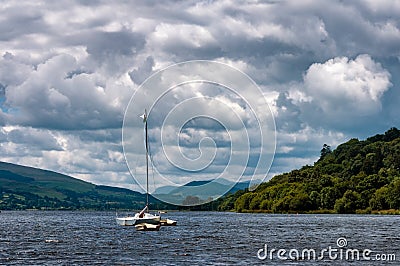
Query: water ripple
201, 238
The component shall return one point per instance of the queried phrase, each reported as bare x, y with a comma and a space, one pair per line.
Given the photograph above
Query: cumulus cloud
339, 95
68, 70
49, 97
345, 85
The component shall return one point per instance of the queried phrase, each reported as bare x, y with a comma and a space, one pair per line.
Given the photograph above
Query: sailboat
143, 220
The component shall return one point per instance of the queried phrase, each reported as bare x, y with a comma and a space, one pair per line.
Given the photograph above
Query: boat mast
147, 161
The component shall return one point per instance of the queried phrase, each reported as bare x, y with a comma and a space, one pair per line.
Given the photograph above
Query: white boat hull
126, 221
135, 220
168, 222
147, 227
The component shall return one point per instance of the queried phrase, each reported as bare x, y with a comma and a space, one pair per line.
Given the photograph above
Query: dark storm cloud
14, 23
143, 71
103, 44
288, 118
109, 135
2, 91
42, 140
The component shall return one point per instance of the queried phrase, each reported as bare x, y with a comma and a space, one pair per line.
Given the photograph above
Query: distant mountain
23, 187
164, 190
198, 183
200, 191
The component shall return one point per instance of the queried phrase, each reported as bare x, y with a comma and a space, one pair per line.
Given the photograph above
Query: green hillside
357, 177
24, 187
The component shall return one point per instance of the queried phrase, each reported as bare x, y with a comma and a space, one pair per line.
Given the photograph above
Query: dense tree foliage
358, 176
326, 149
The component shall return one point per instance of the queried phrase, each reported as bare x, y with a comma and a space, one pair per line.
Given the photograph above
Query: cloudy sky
328, 69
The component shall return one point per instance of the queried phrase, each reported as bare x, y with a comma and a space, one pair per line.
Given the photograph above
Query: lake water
201, 238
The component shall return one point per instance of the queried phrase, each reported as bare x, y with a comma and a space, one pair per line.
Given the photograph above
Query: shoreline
315, 212
358, 212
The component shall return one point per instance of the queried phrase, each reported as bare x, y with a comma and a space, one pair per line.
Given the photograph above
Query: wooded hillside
356, 177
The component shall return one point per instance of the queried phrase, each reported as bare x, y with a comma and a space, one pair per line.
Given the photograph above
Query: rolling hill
23, 187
